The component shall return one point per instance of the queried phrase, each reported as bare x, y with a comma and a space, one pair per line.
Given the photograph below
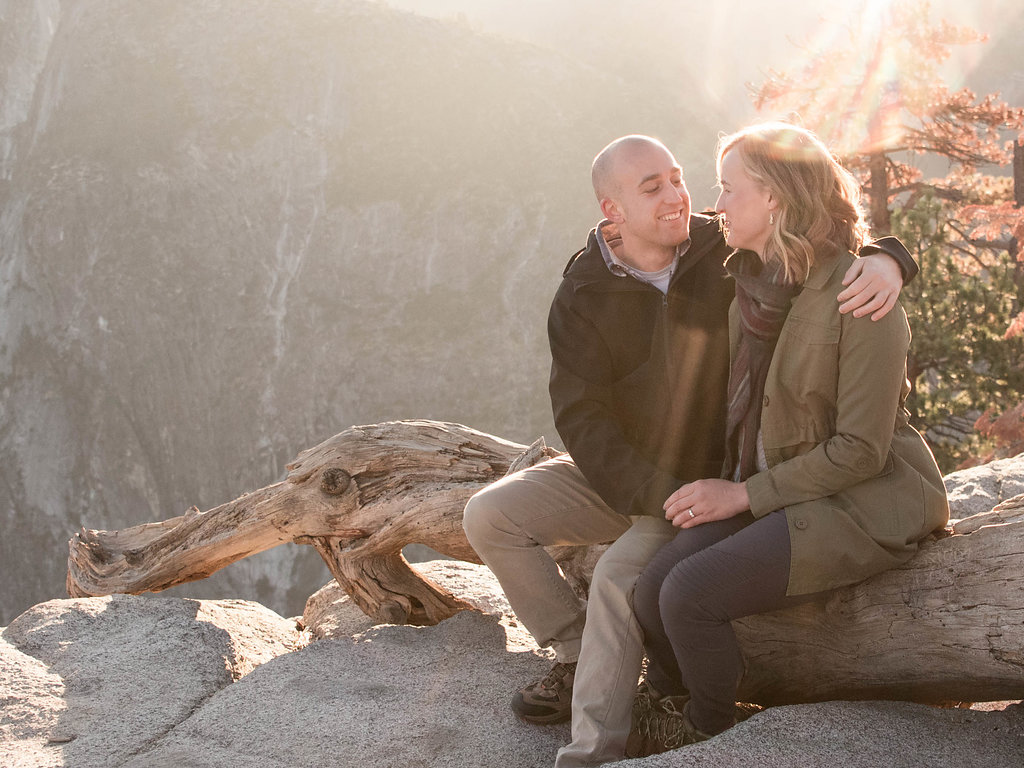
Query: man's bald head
604, 173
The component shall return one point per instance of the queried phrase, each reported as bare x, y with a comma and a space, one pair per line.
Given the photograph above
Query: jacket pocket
810, 331
800, 391
877, 507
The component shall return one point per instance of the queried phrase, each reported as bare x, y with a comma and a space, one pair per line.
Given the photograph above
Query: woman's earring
771, 219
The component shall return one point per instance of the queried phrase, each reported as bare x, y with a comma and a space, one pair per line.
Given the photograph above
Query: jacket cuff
893, 247
764, 497
651, 500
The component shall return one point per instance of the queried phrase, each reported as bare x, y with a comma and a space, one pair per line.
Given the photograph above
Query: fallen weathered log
358, 498
947, 626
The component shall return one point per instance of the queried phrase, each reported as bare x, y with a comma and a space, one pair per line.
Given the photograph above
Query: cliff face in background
229, 230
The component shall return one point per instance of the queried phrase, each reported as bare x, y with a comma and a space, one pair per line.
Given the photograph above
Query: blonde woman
825, 483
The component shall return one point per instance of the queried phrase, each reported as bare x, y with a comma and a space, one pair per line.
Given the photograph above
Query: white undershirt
659, 279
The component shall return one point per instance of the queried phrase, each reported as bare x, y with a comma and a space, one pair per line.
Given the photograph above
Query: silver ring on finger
690, 513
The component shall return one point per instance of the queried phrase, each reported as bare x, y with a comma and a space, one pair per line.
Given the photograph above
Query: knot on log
334, 481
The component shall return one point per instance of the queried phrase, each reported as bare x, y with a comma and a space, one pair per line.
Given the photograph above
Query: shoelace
667, 729
664, 725
558, 672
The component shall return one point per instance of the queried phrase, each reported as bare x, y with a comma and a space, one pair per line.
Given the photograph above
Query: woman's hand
706, 500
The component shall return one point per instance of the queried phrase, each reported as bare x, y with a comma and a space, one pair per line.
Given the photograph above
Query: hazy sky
721, 45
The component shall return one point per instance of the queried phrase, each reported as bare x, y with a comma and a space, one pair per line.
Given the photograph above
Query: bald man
640, 357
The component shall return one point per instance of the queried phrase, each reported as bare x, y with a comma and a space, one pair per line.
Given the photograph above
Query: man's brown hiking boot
548, 700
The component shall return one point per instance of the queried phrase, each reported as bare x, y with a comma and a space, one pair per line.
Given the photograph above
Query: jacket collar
587, 266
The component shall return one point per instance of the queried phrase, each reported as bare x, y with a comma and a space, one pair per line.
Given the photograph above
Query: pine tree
929, 160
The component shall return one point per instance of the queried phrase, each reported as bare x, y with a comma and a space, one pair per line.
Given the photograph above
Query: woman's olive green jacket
859, 485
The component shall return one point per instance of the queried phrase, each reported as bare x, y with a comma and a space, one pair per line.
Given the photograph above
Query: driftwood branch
947, 626
358, 498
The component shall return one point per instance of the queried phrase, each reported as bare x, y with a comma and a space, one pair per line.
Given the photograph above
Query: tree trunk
947, 626
1018, 198
878, 195
1018, 173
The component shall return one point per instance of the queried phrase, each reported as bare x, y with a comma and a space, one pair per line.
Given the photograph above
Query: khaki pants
508, 523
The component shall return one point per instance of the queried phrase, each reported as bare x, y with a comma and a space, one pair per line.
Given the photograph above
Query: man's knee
621, 566
478, 517
613, 574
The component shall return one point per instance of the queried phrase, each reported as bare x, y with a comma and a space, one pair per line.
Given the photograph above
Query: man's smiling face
651, 197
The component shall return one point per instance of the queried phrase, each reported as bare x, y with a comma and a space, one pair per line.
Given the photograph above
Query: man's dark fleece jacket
639, 378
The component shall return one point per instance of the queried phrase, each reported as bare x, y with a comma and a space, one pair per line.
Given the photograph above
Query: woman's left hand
706, 500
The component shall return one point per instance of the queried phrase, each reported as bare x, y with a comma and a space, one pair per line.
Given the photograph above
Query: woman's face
745, 206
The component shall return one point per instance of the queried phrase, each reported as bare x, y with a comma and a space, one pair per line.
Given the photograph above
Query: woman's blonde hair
818, 200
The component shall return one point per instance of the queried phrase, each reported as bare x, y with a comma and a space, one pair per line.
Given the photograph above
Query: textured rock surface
167, 683
330, 613
108, 676
859, 735
31, 708
390, 696
980, 488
